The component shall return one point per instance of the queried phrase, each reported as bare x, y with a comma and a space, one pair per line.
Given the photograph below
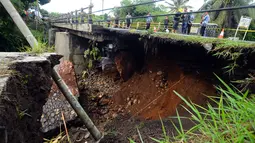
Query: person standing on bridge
116, 21
108, 20
191, 19
176, 21
166, 22
185, 19
148, 21
128, 20
204, 23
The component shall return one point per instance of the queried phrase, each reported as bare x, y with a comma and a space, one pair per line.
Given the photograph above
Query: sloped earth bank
119, 107
139, 91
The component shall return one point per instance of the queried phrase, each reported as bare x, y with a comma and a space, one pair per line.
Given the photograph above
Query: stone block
78, 59
62, 45
79, 50
79, 69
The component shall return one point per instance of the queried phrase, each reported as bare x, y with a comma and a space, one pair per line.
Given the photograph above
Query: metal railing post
71, 18
159, 26
82, 18
137, 25
67, 17
76, 16
90, 14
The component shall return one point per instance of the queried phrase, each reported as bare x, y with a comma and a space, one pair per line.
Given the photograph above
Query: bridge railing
80, 17
75, 17
212, 29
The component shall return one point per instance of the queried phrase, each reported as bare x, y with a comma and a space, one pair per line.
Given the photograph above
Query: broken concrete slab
24, 90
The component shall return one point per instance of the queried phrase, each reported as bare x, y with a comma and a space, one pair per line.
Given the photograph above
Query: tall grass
39, 49
231, 120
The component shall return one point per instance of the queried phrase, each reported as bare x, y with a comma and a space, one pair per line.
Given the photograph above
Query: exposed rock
114, 115
52, 110
135, 101
159, 73
104, 102
125, 64
162, 85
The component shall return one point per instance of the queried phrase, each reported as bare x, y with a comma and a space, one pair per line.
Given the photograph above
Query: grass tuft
231, 121
39, 49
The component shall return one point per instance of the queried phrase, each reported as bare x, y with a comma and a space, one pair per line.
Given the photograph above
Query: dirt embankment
23, 97
119, 105
150, 95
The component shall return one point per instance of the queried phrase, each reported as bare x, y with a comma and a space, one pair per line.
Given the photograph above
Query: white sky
64, 6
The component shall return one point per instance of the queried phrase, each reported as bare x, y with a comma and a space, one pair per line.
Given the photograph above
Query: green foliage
227, 19
21, 114
44, 13
10, 36
232, 120
92, 54
40, 49
141, 10
54, 14
178, 4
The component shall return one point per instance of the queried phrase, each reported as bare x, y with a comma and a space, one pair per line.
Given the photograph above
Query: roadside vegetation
40, 49
229, 119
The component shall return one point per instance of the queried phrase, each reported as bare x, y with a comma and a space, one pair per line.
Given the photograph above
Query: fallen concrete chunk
24, 87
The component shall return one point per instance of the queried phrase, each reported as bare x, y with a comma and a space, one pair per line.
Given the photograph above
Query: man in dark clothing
108, 21
176, 21
191, 18
116, 22
185, 19
166, 22
128, 20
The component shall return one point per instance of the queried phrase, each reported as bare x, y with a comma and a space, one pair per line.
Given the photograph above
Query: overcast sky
64, 6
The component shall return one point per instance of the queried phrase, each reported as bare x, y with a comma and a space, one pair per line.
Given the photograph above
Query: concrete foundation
52, 35
72, 48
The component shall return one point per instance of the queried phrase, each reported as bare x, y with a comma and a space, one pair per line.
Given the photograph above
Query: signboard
245, 23
194, 30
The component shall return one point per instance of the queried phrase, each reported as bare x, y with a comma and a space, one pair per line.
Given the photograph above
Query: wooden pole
76, 105
20, 23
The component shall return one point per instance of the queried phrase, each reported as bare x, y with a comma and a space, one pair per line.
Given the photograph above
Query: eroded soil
119, 107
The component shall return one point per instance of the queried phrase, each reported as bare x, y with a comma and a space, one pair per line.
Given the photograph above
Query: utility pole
37, 16
19, 22
102, 7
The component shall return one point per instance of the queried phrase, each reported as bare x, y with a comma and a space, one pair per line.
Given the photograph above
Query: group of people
187, 20
116, 21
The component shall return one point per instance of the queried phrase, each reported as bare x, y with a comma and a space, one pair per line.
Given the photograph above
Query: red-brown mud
151, 95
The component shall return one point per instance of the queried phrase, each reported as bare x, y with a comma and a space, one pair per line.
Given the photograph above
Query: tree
44, 13
141, 10
125, 11
10, 36
19, 22
228, 19
177, 4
